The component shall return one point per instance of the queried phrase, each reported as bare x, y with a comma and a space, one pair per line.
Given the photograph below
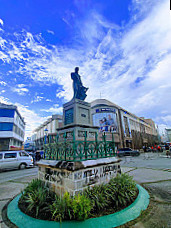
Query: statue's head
76, 69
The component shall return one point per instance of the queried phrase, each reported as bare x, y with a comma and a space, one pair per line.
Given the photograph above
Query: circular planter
22, 220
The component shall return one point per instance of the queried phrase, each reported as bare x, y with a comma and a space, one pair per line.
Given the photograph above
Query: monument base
74, 177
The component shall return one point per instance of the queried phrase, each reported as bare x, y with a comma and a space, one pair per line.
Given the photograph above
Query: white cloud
4, 57
21, 85
54, 110
3, 83
4, 100
166, 119
51, 32
49, 100
37, 99
1, 22
32, 119
2, 91
20, 89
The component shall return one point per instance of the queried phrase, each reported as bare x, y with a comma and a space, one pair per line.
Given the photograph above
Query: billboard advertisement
107, 122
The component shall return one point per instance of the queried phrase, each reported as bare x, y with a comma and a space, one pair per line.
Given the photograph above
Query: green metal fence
69, 149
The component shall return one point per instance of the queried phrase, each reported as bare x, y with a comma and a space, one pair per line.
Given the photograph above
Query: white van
15, 159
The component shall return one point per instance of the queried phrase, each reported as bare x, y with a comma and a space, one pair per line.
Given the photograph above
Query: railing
75, 150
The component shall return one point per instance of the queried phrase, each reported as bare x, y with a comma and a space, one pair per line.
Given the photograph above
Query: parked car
15, 159
127, 152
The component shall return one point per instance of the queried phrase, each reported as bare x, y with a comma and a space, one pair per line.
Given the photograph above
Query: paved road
148, 160
16, 174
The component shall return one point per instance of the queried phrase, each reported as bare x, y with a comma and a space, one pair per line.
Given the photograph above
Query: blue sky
123, 49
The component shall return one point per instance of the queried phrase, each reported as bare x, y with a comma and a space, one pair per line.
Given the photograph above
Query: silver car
15, 159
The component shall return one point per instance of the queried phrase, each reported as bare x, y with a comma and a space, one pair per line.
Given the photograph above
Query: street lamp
46, 133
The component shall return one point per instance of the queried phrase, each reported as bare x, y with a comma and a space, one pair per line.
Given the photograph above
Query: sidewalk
158, 184
10, 189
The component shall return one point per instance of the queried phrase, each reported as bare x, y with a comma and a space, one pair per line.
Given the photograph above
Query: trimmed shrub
121, 191
36, 199
97, 197
62, 208
81, 207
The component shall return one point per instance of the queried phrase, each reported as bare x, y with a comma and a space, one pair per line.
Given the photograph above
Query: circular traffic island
108, 205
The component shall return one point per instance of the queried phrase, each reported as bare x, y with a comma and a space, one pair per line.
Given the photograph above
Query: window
10, 155
23, 154
6, 126
0, 156
7, 113
126, 126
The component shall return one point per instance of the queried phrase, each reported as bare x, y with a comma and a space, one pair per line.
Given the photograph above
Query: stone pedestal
74, 177
77, 112
77, 119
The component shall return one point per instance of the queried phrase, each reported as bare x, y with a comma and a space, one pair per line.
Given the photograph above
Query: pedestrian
38, 156
34, 157
167, 150
152, 148
158, 148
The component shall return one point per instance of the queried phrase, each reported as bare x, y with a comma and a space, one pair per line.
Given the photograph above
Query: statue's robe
79, 89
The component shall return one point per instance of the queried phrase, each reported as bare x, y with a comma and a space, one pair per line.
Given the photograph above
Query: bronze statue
79, 89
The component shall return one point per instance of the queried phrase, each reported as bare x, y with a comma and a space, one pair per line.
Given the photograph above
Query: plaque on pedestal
77, 112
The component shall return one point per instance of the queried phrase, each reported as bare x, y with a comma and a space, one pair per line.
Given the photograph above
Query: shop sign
106, 110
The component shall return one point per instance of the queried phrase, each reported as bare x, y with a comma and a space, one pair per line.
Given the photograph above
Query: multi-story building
48, 127
129, 130
12, 128
168, 134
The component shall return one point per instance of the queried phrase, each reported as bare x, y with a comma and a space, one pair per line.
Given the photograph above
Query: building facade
105, 115
129, 130
168, 134
47, 128
12, 128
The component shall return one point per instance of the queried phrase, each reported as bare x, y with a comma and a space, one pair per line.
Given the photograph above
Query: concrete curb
22, 220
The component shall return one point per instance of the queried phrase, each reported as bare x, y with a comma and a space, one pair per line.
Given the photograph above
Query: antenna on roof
100, 95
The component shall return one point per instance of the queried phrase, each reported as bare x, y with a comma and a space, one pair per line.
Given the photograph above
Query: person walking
167, 150
152, 148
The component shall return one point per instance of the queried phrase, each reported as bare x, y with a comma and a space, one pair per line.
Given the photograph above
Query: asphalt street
148, 160
16, 174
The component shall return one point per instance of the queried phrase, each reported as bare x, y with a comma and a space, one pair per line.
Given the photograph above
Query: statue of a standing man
79, 89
